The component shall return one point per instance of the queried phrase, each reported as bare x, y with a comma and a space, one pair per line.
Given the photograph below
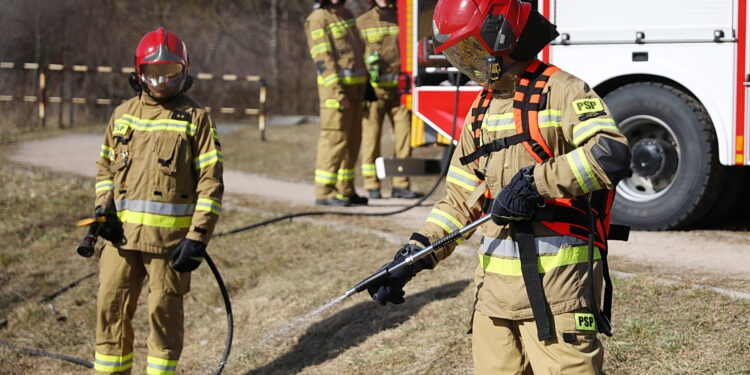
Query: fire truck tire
728, 205
676, 171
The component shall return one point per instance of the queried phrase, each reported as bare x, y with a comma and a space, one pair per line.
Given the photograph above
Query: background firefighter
379, 28
161, 170
537, 145
336, 49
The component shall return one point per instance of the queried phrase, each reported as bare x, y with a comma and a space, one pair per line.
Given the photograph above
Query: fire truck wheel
676, 171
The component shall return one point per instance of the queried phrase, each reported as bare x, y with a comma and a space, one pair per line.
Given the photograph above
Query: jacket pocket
166, 152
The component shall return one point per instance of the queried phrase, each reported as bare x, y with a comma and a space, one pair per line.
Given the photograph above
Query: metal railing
42, 97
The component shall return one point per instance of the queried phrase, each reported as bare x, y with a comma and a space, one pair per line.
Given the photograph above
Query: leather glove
188, 255
110, 230
391, 288
518, 199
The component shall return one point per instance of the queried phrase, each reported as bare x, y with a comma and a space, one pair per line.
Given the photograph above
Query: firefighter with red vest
540, 153
379, 28
336, 49
159, 184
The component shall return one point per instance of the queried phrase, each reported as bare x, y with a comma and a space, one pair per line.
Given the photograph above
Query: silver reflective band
544, 245
159, 208
352, 72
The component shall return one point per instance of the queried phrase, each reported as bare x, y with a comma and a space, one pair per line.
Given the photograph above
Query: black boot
333, 201
355, 199
404, 193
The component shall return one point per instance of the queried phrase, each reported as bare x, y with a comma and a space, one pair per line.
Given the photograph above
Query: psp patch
588, 105
121, 128
585, 321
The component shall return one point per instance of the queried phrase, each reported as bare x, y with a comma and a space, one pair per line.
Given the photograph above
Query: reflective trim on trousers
112, 363
159, 366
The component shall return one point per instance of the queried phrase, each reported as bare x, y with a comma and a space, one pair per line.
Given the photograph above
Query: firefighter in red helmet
541, 154
159, 183
336, 49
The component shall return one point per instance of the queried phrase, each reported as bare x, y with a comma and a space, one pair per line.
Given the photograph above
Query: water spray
378, 276
411, 259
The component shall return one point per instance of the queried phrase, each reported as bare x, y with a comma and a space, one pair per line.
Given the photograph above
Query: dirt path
721, 254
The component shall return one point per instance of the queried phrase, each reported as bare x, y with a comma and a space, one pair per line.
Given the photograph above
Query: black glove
391, 288
188, 255
110, 230
518, 199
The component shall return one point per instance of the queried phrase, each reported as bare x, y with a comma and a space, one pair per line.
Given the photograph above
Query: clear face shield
162, 80
471, 57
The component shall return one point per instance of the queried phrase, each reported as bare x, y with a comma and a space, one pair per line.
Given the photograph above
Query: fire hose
86, 250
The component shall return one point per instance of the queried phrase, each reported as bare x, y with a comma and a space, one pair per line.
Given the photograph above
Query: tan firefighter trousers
372, 130
338, 146
121, 276
502, 346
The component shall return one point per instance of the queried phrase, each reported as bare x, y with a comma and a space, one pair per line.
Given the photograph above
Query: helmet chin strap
494, 69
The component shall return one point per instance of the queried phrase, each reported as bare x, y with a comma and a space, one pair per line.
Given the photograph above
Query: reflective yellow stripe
154, 125
317, 34
320, 48
331, 104
108, 153
353, 80
444, 220
549, 118
385, 84
512, 267
154, 220
338, 29
211, 157
585, 130
499, 122
104, 185
159, 366
458, 176
374, 34
205, 204
325, 177
582, 171
214, 133
345, 174
368, 170
112, 363
328, 80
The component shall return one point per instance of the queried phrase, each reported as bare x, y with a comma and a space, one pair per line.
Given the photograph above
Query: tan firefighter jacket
379, 28
163, 164
581, 163
336, 49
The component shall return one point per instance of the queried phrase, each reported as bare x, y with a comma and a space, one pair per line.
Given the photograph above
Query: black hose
447, 155
40, 353
230, 318
87, 364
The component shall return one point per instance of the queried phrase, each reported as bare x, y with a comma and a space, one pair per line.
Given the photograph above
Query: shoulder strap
527, 101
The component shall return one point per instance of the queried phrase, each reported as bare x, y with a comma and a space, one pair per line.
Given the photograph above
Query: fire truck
674, 74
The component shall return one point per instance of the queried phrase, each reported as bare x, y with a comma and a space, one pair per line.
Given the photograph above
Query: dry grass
281, 272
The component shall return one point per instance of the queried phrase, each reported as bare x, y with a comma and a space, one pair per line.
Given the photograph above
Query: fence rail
42, 97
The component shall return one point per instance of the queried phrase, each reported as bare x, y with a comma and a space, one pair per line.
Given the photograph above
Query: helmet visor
163, 80
470, 57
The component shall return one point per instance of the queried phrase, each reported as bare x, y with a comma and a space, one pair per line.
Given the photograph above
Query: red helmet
161, 63
470, 32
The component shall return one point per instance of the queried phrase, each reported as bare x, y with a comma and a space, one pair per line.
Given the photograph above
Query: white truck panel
706, 69
660, 20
